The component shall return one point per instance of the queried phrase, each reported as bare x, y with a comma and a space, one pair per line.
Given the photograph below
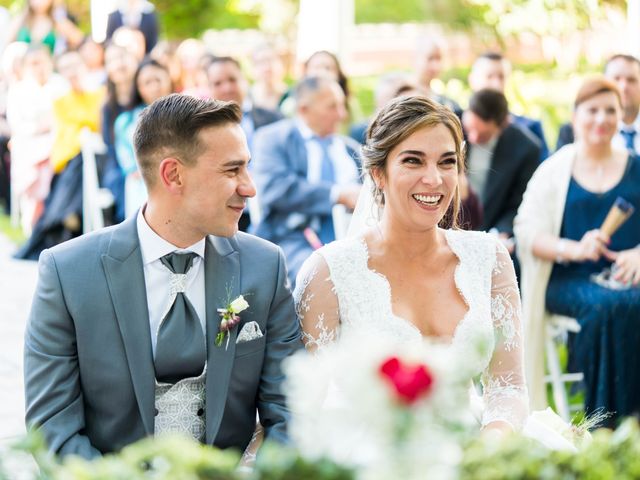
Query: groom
121, 339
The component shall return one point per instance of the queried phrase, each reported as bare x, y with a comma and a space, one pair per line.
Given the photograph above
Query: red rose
409, 381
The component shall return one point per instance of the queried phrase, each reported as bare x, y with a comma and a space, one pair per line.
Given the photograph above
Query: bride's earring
378, 195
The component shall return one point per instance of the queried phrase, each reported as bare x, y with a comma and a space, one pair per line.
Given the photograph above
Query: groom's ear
170, 170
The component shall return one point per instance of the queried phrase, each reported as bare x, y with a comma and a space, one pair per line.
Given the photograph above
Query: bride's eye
412, 161
448, 162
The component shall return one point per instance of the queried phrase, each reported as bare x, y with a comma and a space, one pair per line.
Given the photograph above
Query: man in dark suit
227, 83
302, 169
139, 15
491, 70
624, 71
500, 159
122, 339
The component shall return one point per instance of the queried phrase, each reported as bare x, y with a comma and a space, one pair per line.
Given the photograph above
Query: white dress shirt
157, 276
344, 167
479, 164
620, 142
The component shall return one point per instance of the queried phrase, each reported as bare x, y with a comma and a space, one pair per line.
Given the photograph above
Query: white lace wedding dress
337, 294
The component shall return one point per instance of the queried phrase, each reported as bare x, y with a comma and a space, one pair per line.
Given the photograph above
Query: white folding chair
255, 212
557, 328
94, 198
341, 218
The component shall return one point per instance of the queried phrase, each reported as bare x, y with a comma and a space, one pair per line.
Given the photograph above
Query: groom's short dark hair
169, 127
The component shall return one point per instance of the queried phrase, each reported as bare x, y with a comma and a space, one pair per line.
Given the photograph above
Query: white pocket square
250, 331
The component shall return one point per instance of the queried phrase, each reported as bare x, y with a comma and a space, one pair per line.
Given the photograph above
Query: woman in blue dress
561, 245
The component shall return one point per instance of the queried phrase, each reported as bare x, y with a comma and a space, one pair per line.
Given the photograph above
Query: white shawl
541, 210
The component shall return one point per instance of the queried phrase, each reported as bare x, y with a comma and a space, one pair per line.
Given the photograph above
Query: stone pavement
17, 283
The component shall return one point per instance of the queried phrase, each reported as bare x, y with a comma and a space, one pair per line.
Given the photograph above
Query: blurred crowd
305, 137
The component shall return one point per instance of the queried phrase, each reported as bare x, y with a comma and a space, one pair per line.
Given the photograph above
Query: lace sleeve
316, 303
505, 391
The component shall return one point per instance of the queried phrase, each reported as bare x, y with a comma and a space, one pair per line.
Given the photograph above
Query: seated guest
428, 69
72, 113
268, 77
193, 78
389, 87
131, 39
137, 14
120, 66
45, 22
151, 82
302, 169
560, 246
624, 71
324, 64
93, 56
227, 82
500, 160
30, 116
491, 70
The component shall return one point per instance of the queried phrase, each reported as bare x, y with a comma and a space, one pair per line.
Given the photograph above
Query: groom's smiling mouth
429, 200
237, 208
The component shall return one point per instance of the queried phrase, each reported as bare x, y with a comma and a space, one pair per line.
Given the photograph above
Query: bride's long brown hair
396, 121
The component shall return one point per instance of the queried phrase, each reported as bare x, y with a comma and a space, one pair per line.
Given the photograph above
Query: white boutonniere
230, 318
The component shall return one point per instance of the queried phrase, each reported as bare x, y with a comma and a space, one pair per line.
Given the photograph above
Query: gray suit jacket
287, 200
280, 172
89, 374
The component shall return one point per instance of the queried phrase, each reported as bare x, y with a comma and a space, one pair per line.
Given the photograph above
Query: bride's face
420, 178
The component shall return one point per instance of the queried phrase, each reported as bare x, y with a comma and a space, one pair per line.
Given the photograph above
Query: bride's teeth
430, 199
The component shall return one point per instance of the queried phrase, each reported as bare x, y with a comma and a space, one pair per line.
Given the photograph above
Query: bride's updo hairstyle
396, 121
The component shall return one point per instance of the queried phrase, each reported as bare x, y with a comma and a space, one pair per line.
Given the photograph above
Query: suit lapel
499, 165
125, 277
299, 156
222, 284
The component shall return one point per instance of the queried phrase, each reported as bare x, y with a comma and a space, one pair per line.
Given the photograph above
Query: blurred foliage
191, 18
12, 233
605, 455
497, 19
280, 463
78, 9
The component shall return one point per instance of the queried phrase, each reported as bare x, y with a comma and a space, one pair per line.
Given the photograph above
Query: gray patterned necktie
180, 348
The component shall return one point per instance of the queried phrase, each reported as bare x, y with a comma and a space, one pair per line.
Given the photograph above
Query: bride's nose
431, 175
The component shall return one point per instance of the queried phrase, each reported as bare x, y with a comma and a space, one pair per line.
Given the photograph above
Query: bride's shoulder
476, 244
470, 237
328, 259
344, 247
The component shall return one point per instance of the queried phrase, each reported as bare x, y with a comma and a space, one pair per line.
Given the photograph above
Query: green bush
607, 455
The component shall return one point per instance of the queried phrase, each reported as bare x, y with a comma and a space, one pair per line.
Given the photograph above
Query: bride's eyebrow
448, 154
412, 152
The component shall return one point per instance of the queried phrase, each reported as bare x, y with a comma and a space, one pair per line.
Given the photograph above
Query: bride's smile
420, 178
428, 200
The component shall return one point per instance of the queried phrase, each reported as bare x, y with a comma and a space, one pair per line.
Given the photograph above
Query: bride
402, 276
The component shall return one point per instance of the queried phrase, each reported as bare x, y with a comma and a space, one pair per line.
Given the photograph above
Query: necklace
598, 176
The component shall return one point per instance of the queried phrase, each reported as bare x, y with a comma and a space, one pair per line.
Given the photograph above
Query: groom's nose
246, 187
